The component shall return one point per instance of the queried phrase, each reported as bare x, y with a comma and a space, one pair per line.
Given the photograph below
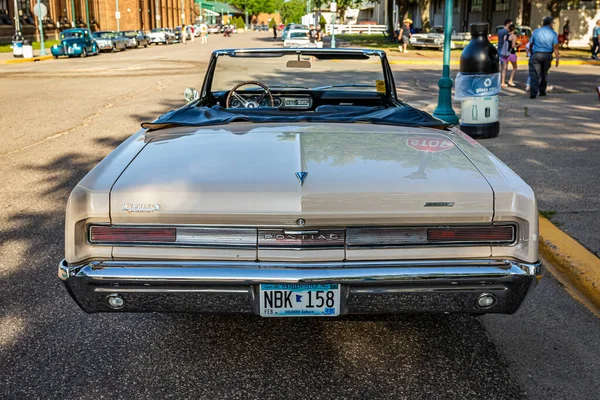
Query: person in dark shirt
404, 35
312, 34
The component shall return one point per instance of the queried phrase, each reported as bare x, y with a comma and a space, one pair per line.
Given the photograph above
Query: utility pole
182, 15
444, 109
117, 15
73, 14
17, 20
333, 9
156, 14
40, 17
87, 14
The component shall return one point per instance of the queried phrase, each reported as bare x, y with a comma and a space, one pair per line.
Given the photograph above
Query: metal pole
246, 11
444, 109
73, 14
17, 19
117, 14
334, 7
87, 14
42, 45
156, 14
182, 15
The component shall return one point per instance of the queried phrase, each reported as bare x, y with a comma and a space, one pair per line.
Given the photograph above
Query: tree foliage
255, 7
292, 11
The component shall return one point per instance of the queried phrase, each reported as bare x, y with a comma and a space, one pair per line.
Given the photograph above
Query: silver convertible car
296, 183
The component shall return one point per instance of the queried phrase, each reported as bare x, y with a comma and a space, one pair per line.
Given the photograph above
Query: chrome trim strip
248, 273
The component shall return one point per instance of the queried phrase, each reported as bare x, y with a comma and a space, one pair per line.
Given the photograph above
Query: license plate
299, 300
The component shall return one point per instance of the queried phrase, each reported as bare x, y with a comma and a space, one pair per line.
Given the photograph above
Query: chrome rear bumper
443, 286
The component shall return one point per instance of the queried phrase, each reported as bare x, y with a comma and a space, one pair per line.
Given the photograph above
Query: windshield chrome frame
390, 86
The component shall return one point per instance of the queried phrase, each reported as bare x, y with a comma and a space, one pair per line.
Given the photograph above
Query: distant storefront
97, 14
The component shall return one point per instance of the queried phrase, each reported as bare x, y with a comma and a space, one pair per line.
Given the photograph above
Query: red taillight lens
491, 234
109, 234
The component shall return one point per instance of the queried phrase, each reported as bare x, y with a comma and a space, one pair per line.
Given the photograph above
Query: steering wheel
246, 103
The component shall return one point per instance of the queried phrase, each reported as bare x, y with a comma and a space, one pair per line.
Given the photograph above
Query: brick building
98, 14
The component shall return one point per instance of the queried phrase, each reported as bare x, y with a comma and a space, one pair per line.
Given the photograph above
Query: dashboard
282, 102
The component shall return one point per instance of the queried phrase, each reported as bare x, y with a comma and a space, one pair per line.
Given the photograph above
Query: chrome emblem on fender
439, 204
137, 208
301, 176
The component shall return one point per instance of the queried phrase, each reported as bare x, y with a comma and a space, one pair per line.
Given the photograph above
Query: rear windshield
298, 35
130, 34
104, 35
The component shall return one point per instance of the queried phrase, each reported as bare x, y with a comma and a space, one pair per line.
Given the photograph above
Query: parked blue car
75, 43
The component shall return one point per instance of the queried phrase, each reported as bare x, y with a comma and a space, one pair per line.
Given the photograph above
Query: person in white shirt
204, 33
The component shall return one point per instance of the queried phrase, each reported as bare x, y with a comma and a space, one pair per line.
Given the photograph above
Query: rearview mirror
298, 64
190, 94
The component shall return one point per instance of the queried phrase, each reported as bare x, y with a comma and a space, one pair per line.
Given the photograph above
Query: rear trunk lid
247, 175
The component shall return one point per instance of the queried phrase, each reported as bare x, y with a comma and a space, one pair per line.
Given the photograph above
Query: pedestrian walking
319, 37
405, 35
566, 33
528, 83
312, 36
544, 41
502, 35
596, 40
509, 55
274, 32
183, 34
193, 34
204, 33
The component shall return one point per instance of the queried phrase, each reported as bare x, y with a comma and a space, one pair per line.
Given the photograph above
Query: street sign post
40, 12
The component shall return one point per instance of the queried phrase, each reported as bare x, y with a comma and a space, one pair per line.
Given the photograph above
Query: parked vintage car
214, 29
435, 39
296, 38
110, 41
161, 35
75, 42
298, 184
291, 26
135, 39
523, 34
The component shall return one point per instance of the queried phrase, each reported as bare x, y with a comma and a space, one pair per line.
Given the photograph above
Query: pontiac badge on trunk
136, 207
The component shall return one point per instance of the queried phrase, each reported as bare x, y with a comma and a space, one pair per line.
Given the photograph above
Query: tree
424, 7
322, 22
255, 7
292, 11
239, 23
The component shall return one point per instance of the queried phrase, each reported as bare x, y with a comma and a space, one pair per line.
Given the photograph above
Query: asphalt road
59, 118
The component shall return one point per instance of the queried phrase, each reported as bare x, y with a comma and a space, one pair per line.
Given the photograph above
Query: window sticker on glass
380, 86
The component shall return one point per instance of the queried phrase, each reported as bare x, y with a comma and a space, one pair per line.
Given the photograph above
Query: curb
573, 260
457, 62
24, 60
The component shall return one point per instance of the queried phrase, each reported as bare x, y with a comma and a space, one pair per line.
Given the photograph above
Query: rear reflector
109, 234
489, 234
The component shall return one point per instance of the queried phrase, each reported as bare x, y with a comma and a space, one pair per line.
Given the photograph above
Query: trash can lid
479, 28
26, 42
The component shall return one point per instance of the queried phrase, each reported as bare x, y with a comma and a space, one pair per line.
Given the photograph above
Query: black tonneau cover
217, 115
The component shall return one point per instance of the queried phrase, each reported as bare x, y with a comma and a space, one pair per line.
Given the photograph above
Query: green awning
205, 4
219, 7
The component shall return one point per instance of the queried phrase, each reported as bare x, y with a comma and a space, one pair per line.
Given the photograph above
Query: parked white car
353, 203
297, 38
161, 35
435, 40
